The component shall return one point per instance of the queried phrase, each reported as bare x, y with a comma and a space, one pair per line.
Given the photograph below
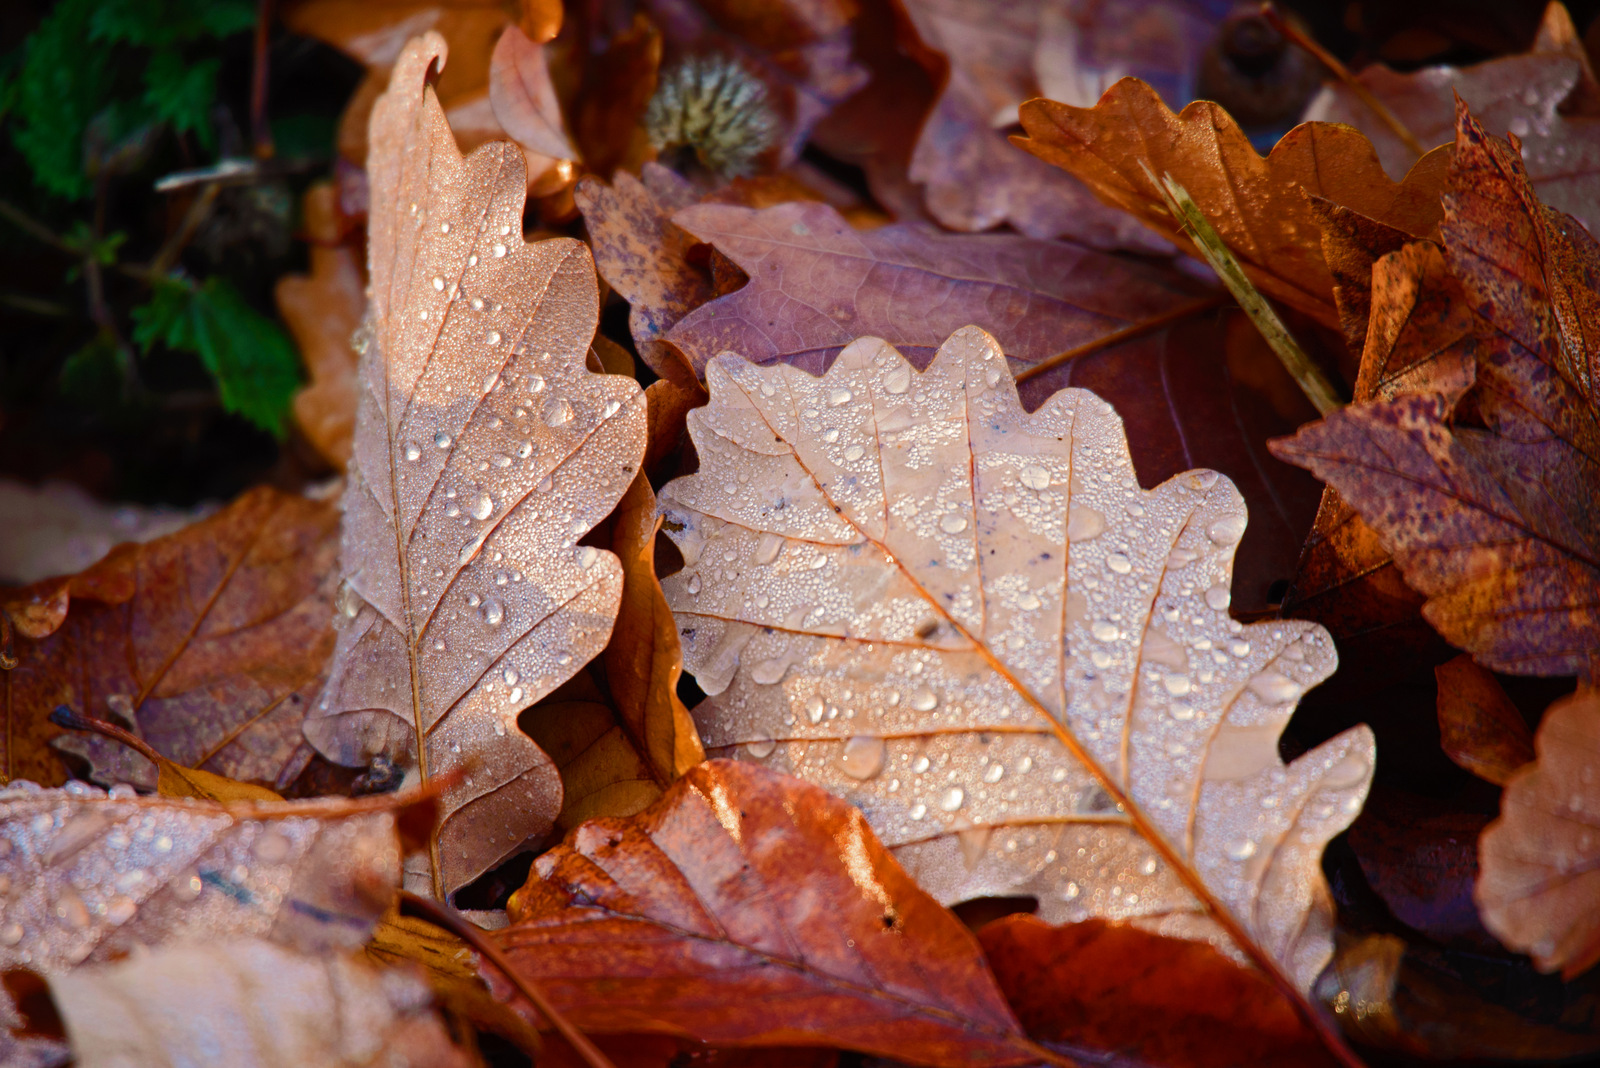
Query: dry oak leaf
1100, 988
484, 449
748, 908
972, 179
209, 643
1258, 204
1497, 523
1539, 864
974, 625
56, 528
1547, 97
817, 283
525, 105
322, 310
248, 1003
91, 876
1479, 727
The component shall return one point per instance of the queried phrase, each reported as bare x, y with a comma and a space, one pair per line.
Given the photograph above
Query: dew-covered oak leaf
91, 876
817, 283
1492, 513
209, 643
973, 624
1538, 885
484, 449
248, 1003
1258, 204
746, 908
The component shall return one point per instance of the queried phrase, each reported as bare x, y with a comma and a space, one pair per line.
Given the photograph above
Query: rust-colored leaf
1494, 517
688, 919
1547, 97
1479, 727
248, 1003
972, 623
484, 449
1257, 204
1095, 986
1539, 880
209, 644
323, 310
93, 876
816, 284
526, 107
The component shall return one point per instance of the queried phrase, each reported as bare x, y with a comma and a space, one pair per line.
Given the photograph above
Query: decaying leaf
817, 283
1479, 728
484, 449
209, 643
250, 1004
91, 876
1494, 517
322, 310
1258, 204
525, 105
688, 919
1095, 986
1539, 880
1547, 97
974, 625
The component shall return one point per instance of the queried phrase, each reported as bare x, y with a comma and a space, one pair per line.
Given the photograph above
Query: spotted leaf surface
903, 587
87, 876
484, 449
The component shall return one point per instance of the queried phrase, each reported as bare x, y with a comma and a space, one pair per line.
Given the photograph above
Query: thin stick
260, 130
1313, 383
72, 721
1293, 34
1127, 333
442, 915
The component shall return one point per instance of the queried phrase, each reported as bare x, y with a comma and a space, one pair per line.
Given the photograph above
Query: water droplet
693, 585
1119, 563
70, 909
995, 772
924, 699
515, 695
768, 672
558, 412
951, 799
814, 708
918, 811
921, 764
187, 886
953, 523
1150, 865
349, 600
442, 440
162, 844
1239, 647
587, 556
1180, 711
1071, 891
493, 612
862, 757
854, 453
536, 383
1351, 771
1243, 849
1177, 685
898, 380
1104, 630
1274, 688
1227, 530
473, 600
11, 934
768, 548
760, 748
1029, 602
1084, 523
511, 676
272, 847
1219, 597
413, 451
482, 506
499, 250
1035, 477
839, 396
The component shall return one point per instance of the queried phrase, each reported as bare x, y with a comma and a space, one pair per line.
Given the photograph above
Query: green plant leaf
181, 93
252, 360
59, 87
159, 23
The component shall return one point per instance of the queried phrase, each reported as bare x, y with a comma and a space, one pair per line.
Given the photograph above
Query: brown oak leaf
1479, 727
1258, 204
484, 449
688, 919
817, 283
1539, 880
972, 623
209, 643
1492, 512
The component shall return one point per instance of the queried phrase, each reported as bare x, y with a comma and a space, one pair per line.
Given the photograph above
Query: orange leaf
691, 919
1479, 727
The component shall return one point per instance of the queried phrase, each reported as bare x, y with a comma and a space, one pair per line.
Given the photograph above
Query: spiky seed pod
715, 106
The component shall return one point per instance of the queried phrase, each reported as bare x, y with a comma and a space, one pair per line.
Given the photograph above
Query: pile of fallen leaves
678, 335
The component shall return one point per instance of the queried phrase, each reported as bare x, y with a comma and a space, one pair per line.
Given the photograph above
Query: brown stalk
1293, 33
260, 130
442, 915
1127, 333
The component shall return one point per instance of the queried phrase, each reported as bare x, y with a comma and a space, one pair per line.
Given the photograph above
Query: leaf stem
1127, 333
1313, 383
1295, 35
442, 915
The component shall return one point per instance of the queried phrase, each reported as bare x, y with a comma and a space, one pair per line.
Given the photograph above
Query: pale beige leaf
1538, 885
250, 1004
484, 449
87, 876
903, 587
